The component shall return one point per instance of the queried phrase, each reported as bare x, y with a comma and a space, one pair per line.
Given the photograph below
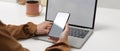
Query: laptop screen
82, 12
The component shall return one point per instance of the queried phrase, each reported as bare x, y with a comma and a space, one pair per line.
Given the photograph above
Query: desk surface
106, 36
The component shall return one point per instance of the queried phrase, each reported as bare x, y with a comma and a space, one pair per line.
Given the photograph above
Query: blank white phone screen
59, 24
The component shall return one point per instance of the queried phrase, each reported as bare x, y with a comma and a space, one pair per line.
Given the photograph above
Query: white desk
16, 14
105, 38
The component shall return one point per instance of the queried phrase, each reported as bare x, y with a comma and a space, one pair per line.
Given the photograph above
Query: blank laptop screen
81, 11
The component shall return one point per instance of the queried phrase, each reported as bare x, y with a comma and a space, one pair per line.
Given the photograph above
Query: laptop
81, 21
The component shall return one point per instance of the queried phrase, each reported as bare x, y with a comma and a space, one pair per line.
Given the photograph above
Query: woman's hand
63, 36
43, 28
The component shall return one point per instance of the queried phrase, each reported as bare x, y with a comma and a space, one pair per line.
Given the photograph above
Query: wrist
30, 29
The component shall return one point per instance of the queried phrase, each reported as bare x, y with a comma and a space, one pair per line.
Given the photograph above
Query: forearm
7, 42
22, 31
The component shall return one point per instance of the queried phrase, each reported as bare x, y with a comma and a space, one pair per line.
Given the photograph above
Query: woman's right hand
63, 36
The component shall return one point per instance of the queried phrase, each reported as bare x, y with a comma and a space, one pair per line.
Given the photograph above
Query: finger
66, 27
49, 25
48, 22
48, 28
52, 39
47, 31
55, 40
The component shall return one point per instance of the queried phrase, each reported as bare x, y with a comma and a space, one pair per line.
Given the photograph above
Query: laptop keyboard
78, 32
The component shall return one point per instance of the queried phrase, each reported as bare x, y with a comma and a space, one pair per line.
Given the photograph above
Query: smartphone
59, 24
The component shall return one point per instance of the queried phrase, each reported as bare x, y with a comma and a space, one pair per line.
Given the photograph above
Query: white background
101, 3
